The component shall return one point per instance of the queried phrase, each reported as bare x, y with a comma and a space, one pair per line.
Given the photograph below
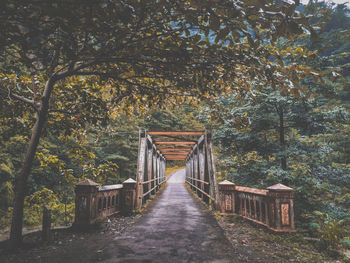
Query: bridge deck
176, 229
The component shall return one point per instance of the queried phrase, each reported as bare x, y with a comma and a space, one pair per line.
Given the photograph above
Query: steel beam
176, 132
175, 143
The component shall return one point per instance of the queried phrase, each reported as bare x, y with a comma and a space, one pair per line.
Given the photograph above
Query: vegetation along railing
272, 207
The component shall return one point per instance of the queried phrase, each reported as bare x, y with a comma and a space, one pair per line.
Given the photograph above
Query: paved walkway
176, 229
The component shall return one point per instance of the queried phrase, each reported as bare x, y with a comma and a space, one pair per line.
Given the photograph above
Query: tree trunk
282, 139
22, 177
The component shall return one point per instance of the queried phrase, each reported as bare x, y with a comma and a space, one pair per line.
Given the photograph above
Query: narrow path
176, 229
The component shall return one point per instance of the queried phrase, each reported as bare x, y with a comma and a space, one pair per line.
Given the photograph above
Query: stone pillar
129, 196
85, 202
281, 210
227, 197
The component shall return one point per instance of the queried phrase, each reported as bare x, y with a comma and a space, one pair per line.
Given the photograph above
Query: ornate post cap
86, 185
87, 182
279, 188
130, 183
226, 185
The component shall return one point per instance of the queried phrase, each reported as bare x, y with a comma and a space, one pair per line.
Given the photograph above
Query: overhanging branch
7, 93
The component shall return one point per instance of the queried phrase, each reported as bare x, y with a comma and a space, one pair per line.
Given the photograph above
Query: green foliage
6, 195
105, 173
33, 208
330, 230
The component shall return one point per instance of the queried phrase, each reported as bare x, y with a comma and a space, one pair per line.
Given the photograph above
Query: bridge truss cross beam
195, 148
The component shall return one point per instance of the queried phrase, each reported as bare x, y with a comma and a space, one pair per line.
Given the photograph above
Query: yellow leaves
252, 156
47, 160
299, 50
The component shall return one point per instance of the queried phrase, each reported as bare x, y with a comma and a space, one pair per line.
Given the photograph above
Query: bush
33, 210
331, 231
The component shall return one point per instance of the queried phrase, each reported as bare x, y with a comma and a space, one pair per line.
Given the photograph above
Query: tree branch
111, 76
9, 95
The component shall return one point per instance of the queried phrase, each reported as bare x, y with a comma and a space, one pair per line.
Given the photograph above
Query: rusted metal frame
194, 167
149, 138
184, 154
154, 161
191, 168
164, 170
174, 151
186, 170
175, 137
161, 167
176, 132
201, 191
174, 158
204, 182
149, 167
148, 192
164, 149
174, 143
145, 187
201, 164
175, 154
206, 171
158, 169
192, 151
200, 140
211, 168
140, 167
196, 175
149, 181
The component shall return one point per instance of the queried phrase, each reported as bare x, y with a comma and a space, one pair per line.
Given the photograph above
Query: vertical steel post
140, 168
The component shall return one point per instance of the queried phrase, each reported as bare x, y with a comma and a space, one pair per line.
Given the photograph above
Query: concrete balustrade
93, 201
272, 207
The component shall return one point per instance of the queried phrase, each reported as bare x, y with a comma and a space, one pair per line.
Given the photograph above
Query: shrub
331, 231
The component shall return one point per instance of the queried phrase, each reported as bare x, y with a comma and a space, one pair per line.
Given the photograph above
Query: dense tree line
273, 88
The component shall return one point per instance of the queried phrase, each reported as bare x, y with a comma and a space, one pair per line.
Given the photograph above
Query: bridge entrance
194, 148
271, 207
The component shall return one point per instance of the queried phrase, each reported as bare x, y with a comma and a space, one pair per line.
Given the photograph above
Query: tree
130, 51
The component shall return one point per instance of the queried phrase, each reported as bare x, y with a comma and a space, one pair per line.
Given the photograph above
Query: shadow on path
176, 229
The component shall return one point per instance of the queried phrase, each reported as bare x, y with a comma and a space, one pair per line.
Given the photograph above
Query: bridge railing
272, 207
151, 166
201, 171
93, 201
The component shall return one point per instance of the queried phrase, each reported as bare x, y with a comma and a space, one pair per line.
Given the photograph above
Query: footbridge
195, 148
271, 207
